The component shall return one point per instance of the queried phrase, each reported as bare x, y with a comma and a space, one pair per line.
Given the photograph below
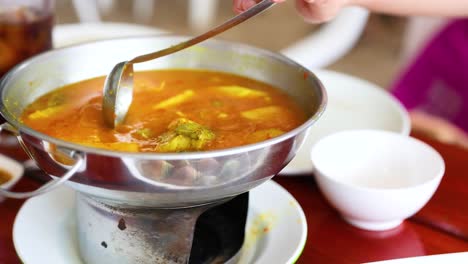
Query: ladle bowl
171, 180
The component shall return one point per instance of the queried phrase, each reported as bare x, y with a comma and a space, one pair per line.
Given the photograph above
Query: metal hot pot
153, 180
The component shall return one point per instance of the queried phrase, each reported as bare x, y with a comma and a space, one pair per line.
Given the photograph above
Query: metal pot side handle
51, 185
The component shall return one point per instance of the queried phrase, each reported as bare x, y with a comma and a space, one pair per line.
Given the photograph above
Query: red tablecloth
440, 227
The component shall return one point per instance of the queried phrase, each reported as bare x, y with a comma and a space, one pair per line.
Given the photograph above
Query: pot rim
311, 77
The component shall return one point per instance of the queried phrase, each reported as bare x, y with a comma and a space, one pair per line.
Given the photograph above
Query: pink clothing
437, 80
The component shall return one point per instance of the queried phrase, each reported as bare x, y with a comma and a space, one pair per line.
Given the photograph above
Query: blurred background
377, 56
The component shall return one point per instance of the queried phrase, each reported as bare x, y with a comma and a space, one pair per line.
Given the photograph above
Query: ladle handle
258, 8
51, 185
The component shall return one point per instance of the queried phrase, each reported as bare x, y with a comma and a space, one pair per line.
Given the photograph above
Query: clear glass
25, 30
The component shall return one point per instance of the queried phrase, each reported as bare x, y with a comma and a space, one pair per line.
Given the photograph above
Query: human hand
242, 5
313, 11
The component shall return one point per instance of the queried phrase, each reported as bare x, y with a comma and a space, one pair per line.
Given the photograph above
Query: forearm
446, 8
438, 128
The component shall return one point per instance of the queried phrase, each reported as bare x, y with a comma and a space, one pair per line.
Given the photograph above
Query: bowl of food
206, 123
353, 104
376, 179
10, 173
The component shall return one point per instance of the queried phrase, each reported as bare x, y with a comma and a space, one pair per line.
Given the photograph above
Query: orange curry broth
217, 101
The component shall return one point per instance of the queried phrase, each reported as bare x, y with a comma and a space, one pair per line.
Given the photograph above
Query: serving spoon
118, 87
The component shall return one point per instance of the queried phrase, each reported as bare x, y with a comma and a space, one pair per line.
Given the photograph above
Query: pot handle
51, 184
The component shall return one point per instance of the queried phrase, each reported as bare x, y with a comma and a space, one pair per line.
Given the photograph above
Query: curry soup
172, 111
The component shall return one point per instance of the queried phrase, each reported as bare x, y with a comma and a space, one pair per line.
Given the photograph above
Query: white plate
352, 104
44, 229
71, 34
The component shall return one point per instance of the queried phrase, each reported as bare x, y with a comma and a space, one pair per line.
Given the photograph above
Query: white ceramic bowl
15, 169
352, 104
376, 179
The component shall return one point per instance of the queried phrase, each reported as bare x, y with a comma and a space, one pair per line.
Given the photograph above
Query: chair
201, 12
88, 10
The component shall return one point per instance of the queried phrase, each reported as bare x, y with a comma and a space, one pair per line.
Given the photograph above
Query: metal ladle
118, 87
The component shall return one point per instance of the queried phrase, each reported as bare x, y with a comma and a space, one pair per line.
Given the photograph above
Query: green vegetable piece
185, 135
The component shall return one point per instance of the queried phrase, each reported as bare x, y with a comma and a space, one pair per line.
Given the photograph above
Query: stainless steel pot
152, 179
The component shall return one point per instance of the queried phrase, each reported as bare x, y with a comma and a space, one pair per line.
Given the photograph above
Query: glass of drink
25, 30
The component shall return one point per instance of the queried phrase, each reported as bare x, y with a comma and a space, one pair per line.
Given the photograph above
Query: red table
440, 227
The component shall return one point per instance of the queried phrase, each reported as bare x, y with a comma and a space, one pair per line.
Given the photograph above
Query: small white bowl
15, 169
374, 178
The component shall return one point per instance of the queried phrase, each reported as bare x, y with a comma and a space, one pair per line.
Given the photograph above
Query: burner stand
212, 233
